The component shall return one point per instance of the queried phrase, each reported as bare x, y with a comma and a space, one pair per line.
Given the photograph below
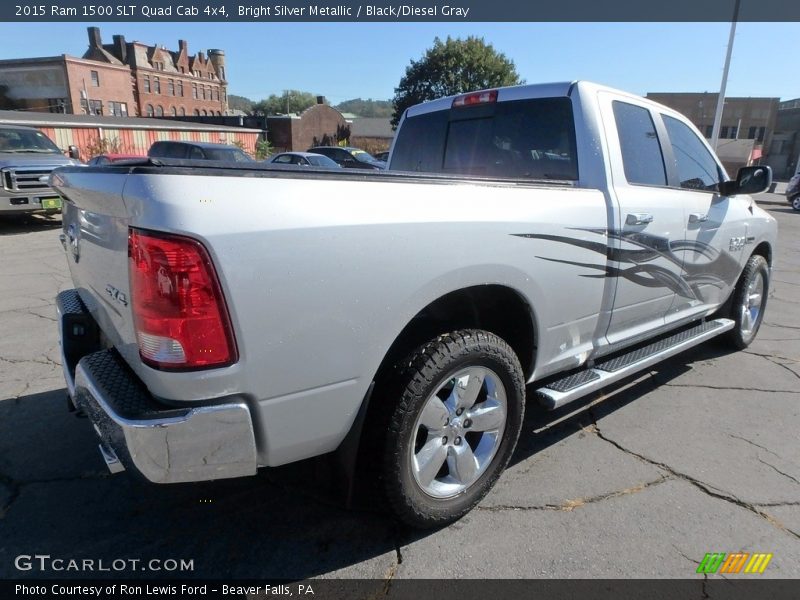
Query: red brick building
118, 79
62, 84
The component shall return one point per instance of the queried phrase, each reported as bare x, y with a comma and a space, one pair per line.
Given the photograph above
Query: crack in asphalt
786, 282
679, 551
391, 572
772, 355
752, 443
570, 505
25, 389
777, 470
728, 387
15, 487
706, 488
46, 304
774, 361
780, 326
33, 314
14, 490
45, 360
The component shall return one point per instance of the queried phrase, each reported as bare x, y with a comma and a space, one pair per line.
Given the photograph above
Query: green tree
452, 67
296, 100
239, 103
263, 149
366, 108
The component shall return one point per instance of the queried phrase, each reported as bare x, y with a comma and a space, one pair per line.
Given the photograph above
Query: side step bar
562, 391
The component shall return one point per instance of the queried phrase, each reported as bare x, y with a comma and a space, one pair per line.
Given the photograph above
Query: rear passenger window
697, 169
420, 143
173, 151
641, 151
519, 139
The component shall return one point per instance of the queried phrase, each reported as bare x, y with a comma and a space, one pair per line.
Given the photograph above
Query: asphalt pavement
700, 454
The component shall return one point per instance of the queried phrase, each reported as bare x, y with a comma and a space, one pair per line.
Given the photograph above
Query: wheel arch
497, 308
764, 249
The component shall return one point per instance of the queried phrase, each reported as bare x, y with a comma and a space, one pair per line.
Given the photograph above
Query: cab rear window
521, 139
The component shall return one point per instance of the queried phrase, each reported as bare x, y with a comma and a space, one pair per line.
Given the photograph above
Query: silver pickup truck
27, 157
559, 236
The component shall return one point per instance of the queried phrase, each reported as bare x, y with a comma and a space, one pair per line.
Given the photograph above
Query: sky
366, 60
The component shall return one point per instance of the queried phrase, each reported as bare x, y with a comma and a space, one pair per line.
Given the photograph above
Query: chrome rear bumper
164, 444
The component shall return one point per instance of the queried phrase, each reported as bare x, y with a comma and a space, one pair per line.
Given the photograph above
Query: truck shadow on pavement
546, 428
28, 223
57, 498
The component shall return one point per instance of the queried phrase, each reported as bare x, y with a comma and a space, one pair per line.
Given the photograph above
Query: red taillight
475, 98
179, 312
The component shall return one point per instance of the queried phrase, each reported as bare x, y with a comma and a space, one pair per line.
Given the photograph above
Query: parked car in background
107, 159
198, 151
27, 156
384, 156
793, 192
350, 158
304, 159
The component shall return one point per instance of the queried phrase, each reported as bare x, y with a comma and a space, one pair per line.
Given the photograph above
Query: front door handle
697, 218
638, 219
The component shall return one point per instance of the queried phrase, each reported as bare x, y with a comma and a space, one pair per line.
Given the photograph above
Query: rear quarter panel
321, 275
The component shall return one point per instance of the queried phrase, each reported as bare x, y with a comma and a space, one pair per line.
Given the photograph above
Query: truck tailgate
95, 237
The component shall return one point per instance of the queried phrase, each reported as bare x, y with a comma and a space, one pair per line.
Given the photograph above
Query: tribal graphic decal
636, 264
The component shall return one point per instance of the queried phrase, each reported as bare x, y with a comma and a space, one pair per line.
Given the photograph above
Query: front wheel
749, 301
796, 203
457, 414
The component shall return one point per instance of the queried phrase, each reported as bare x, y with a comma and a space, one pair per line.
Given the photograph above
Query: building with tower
119, 79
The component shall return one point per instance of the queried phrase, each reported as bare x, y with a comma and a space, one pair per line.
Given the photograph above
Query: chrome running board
609, 370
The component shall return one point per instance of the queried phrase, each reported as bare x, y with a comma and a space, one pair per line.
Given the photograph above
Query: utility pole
721, 98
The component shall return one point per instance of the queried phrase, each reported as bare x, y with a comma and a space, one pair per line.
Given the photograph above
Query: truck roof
523, 92
515, 92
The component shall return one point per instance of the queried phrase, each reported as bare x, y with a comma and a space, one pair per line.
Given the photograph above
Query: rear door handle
638, 219
698, 218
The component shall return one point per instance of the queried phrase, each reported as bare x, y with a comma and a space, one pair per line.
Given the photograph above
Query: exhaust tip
110, 457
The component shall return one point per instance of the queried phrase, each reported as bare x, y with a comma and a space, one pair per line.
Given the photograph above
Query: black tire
415, 381
795, 202
744, 332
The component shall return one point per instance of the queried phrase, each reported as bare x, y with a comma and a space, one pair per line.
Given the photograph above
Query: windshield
362, 156
229, 154
322, 161
22, 140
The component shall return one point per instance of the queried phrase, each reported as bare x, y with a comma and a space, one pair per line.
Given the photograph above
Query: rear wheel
796, 203
749, 302
456, 417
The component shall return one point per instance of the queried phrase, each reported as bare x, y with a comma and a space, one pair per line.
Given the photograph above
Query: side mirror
73, 152
749, 180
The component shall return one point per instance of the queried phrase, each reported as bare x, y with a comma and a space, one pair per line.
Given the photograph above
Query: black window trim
670, 165
670, 171
673, 179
